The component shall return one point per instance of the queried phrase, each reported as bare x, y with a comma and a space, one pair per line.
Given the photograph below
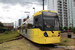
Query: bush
60, 28
6, 32
66, 28
74, 30
70, 28
10, 31
1, 31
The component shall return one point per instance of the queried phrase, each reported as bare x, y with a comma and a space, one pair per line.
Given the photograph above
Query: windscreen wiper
50, 29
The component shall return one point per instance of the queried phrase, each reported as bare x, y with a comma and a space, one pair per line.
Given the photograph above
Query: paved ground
1, 33
30, 44
74, 41
66, 36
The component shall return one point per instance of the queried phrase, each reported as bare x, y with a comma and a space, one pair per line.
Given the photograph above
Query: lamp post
34, 10
72, 14
43, 4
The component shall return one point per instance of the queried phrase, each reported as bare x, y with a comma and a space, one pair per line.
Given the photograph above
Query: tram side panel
30, 34
37, 36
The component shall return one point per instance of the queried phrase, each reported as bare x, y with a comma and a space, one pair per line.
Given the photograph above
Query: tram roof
40, 12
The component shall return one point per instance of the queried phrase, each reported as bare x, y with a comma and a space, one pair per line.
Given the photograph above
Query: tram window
36, 19
29, 26
22, 30
26, 31
38, 22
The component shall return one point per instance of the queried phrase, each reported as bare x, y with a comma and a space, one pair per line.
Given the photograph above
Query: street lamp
72, 14
34, 10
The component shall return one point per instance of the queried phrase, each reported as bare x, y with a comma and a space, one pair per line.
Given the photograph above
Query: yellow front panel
49, 33
35, 36
41, 33
41, 40
51, 40
55, 34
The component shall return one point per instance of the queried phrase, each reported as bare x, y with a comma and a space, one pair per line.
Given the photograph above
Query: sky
12, 10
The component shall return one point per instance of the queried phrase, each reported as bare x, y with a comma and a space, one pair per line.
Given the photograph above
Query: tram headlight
45, 34
59, 34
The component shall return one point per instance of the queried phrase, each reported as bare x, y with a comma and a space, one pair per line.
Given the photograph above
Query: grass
15, 45
63, 44
67, 42
9, 36
12, 45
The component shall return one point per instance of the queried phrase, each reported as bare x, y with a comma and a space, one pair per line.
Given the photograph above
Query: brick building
0, 22
9, 25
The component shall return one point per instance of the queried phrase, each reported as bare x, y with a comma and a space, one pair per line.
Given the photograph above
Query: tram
42, 27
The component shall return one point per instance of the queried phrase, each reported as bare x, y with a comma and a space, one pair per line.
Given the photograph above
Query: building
65, 9
52, 5
63, 13
60, 6
9, 25
71, 12
19, 22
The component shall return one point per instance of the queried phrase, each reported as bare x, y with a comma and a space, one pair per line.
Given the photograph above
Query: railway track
44, 46
55, 47
47, 46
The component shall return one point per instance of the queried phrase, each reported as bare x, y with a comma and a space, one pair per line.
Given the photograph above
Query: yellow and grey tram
42, 27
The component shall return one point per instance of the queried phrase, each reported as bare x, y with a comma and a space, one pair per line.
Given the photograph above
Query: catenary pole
43, 4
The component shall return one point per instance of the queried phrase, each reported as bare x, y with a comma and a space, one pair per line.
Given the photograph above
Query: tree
1, 25
74, 30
